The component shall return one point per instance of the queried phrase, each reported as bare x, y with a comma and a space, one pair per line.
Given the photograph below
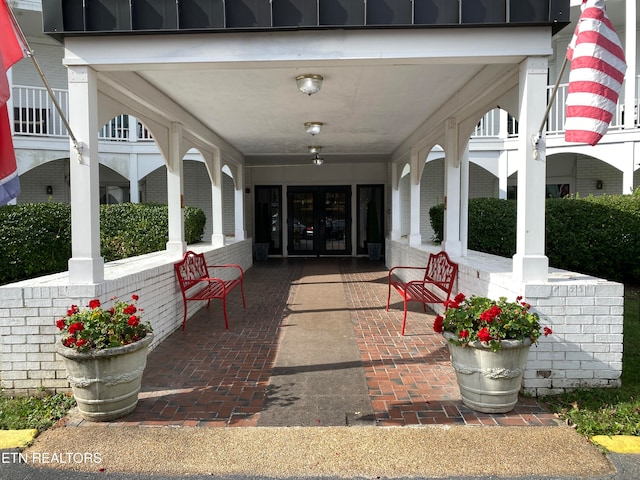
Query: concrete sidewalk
280, 452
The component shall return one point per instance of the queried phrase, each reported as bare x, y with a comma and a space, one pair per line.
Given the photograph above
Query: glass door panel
270, 197
319, 220
365, 195
301, 227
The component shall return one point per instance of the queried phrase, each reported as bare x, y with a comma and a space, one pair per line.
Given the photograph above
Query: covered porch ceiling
384, 92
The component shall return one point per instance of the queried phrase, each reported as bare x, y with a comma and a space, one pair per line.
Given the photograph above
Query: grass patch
609, 411
39, 412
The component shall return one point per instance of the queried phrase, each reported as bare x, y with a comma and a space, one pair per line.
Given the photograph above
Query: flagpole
553, 96
31, 55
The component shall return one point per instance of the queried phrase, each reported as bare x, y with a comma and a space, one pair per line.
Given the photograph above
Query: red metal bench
435, 286
196, 284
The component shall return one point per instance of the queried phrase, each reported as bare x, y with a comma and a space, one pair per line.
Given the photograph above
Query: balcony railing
35, 115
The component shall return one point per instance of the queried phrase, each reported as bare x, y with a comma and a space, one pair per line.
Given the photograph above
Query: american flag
595, 79
12, 49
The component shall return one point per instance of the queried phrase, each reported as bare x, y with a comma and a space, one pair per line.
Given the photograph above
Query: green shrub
35, 239
597, 236
492, 225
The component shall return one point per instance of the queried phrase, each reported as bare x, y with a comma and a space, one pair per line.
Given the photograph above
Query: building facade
179, 108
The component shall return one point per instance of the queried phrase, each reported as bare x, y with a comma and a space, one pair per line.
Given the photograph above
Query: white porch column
503, 174
176, 246
394, 234
86, 266
530, 263
464, 201
414, 200
630, 37
451, 242
240, 231
628, 168
217, 237
134, 185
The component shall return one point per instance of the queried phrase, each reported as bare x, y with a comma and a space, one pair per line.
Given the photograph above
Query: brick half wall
584, 312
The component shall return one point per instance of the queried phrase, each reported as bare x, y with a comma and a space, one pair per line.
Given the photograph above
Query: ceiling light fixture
313, 128
318, 160
309, 83
315, 149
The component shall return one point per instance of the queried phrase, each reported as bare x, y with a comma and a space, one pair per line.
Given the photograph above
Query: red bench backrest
190, 269
441, 271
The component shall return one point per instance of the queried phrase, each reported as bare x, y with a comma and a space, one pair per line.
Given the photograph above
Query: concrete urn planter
489, 381
106, 382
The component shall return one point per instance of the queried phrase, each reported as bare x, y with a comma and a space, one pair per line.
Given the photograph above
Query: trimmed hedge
35, 239
597, 236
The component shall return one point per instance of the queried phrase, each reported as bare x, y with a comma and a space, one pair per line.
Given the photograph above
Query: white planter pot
106, 382
489, 381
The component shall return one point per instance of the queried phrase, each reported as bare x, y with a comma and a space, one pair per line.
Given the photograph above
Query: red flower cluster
480, 319
491, 314
96, 328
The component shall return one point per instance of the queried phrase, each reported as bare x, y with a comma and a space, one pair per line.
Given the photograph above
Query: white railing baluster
36, 115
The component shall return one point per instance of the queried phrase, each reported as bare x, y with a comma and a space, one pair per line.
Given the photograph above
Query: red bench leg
224, 310
242, 290
184, 318
404, 317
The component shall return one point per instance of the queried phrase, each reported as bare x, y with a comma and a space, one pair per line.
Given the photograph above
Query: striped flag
596, 75
12, 49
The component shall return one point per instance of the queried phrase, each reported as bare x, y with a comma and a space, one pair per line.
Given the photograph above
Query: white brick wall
585, 314
29, 309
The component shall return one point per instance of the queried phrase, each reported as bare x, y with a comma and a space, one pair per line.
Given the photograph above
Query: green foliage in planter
35, 239
597, 236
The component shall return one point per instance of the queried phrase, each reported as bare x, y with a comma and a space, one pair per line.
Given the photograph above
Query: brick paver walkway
206, 376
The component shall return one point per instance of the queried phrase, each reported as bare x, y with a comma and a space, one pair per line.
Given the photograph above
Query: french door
319, 220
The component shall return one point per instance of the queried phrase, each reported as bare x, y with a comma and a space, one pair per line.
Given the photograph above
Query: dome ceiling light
309, 83
315, 149
318, 160
313, 128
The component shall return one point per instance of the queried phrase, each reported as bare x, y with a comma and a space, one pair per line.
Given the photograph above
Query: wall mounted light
313, 128
599, 184
49, 190
309, 83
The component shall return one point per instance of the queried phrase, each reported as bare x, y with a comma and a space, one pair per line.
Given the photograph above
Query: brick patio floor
209, 377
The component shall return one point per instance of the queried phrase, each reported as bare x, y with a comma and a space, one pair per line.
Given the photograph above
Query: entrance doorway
319, 220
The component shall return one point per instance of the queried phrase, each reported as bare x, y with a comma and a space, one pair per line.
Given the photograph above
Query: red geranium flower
95, 303
463, 334
130, 310
61, 324
547, 331
75, 327
438, 324
133, 321
484, 335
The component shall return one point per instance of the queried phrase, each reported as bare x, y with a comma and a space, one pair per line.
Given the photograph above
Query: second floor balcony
35, 115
